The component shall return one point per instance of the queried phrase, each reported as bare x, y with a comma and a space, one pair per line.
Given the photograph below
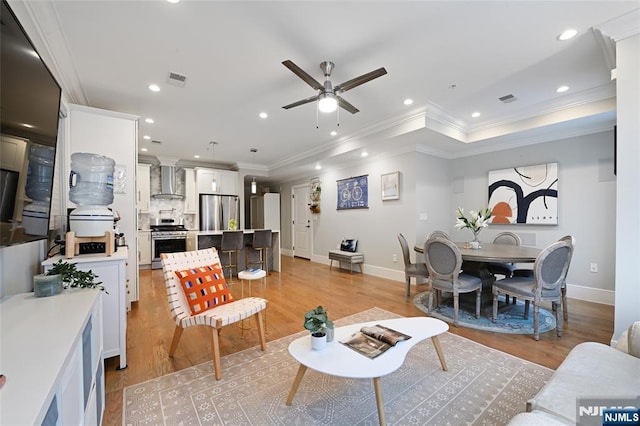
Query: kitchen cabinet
111, 271
226, 181
52, 359
192, 240
144, 249
190, 192
144, 188
115, 135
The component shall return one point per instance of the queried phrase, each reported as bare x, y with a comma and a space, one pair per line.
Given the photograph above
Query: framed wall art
390, 186
524, 195
353, 193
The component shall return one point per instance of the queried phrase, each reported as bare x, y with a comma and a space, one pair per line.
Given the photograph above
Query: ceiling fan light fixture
327, 102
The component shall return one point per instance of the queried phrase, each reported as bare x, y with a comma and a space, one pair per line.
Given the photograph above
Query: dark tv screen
30, 104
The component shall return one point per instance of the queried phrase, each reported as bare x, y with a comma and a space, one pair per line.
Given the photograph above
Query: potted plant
317, 322
72, 277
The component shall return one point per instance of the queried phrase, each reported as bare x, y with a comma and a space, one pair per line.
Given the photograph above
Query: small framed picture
390, 186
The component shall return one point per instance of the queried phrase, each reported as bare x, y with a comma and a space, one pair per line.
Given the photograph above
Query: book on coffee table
374, 340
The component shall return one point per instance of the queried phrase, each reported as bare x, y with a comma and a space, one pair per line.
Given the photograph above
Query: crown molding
623, 26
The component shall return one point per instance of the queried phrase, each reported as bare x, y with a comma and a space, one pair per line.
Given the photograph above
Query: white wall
586, 207
18, 265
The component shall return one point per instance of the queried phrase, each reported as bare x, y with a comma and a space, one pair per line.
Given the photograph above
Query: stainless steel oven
166, 237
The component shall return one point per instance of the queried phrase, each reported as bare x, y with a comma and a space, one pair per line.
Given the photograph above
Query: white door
302, 232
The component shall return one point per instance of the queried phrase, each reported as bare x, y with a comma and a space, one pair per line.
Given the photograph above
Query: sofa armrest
629, 341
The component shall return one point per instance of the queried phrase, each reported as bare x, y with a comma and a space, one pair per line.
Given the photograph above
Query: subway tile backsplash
166, 208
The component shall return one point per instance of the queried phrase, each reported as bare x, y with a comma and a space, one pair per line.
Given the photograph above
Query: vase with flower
475, 223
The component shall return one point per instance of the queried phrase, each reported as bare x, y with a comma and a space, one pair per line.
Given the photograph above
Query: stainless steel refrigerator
216, 211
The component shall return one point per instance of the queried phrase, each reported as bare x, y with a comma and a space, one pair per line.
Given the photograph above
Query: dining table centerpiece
475, 222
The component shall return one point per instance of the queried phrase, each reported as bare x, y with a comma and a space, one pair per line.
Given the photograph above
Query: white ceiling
452, 58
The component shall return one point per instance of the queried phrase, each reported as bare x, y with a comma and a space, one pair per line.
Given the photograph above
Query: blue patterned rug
510, 317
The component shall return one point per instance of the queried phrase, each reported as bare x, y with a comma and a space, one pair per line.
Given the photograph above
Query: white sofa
591, 370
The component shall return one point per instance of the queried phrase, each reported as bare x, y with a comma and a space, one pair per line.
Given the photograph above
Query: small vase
475, 243
318, 341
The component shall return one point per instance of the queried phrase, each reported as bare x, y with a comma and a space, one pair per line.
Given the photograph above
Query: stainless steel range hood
168, 184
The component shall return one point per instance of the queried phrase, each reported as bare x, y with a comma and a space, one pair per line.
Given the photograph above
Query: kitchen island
208, 239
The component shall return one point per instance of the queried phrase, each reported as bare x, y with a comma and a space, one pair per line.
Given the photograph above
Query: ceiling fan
328, 95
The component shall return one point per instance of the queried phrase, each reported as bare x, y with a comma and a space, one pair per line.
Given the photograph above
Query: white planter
318, 343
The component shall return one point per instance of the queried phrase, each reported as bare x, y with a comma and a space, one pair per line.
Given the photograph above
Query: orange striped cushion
204, 287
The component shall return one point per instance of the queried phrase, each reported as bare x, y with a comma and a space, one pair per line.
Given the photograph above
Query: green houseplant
318, 323
72, 277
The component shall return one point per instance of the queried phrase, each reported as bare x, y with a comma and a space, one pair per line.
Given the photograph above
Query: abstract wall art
524, 195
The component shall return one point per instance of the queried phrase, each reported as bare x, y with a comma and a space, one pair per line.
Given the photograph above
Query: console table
51, 355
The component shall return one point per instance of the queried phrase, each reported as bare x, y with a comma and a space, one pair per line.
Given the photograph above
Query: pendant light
214, 184
254, 185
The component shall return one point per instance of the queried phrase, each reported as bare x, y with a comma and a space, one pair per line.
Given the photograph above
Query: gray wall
586, 205
436, 187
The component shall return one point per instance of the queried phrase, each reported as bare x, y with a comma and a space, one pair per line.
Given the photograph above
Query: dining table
476, 260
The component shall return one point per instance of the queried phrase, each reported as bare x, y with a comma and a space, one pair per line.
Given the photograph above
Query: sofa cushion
535, 418
591, 370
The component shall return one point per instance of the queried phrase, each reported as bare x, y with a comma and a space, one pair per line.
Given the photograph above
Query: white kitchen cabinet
226, 181
114, 135
111, 271
144, 248
53, 361
190, 192
144, 188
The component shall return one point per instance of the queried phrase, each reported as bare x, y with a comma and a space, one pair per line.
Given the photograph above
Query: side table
249, 276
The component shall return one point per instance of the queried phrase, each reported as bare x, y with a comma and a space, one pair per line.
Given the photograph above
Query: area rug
510, 317
481, 386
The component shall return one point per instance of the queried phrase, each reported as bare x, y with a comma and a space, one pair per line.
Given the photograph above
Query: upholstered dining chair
438, 233
501, 268
529, 273
444, 263
417, 270
195, 273
549, 273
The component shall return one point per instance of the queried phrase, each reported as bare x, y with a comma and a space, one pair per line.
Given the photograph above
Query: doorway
302, 240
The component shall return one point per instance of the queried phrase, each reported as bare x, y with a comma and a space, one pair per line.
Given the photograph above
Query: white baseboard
591, 294
574, 291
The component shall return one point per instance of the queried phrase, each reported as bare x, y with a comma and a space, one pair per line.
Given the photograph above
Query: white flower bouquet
475, 222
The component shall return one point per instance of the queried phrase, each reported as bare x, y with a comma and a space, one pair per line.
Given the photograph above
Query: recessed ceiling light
333, 133
562, 89
154, 87
318, 166
196, 156
475, 114
174, 1
146, 137
144, 149
149, 120
263, 115
408, 101
364, 153
28, 126
567, 34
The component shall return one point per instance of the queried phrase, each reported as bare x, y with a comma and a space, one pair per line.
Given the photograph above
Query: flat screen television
30, 105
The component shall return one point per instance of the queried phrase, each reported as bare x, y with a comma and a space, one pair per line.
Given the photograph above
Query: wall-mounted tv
30, 104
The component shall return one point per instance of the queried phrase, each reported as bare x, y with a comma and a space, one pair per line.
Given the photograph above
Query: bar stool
232, 243
262, 241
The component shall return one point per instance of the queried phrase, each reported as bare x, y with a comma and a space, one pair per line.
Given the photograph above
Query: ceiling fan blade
302, 74
355, 82
346, 105
301, 102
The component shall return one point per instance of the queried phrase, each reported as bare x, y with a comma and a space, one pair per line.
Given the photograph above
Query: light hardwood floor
300, 286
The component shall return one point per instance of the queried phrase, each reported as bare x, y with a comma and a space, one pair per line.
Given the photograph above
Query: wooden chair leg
536, 320
456, 306
565, 310
526, 309
559, 320
494, 317
261, 331
176, 338
215, 349
408, 290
